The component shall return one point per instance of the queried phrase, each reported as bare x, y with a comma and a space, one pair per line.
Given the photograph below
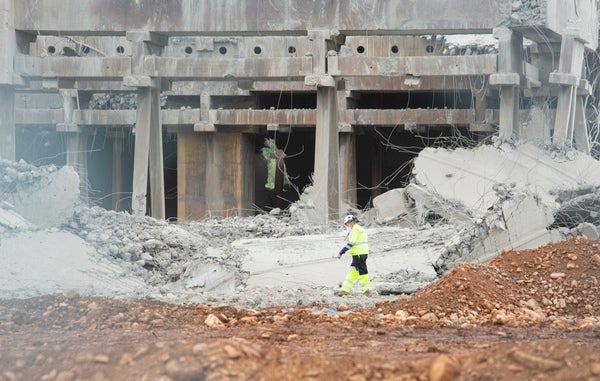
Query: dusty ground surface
528, 315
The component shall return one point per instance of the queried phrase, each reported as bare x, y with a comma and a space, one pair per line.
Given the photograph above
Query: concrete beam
417, 116
418, 66
248, 117
263, 117
399, 83
259, 17
227, 69
73, 67
41, 117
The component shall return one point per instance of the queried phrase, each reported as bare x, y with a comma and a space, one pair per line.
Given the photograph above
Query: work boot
341, 293
367, 293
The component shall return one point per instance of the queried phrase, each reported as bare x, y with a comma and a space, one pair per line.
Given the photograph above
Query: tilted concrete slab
521, 225
469, 176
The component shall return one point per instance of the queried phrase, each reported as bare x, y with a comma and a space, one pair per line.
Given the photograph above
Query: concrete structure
201, 84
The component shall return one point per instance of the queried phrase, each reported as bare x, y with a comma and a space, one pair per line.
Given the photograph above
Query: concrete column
376, 171
148, 137
117, 172
76, 140
7, 123
326, 178
8, 42
568, 78
508, 78
279, 177
148, 145
348, 168
326, 175
215, 174
580, 130
191, 176
77, 158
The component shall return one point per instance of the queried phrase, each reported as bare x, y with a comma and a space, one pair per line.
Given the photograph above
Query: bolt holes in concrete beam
120, 49
257, 50
360, 49
51, 49
292, 50
395, 49
223, 50
188, 50
429, 49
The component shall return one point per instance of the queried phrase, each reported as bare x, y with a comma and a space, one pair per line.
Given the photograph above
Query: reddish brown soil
529, 315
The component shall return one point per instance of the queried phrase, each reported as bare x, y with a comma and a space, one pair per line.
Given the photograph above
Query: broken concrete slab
46, 200
393, 204
429, 205
209, 278
516, 223
468, 176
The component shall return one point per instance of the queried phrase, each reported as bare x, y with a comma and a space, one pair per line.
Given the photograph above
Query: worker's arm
344, 249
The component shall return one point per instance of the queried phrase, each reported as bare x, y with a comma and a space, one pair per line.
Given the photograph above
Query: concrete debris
10, 220
516, 223
463, 205
45, 196
470, 177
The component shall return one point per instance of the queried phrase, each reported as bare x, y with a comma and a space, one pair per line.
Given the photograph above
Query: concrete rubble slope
276, 259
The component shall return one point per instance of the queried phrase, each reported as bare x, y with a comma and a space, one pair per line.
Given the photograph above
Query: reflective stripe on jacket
359, 241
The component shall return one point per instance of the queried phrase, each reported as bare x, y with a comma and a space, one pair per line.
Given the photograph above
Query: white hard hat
349, 218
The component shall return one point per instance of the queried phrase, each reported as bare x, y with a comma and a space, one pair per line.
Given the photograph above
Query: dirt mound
555, 283
513, 319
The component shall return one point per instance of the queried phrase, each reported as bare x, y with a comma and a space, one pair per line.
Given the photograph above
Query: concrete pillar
580, 129
279, 177
326, 175
117, 172
348, 168
76, 140
508, 78
376, 171
326, 179
148, 155
568, 77
191, 176
7, 123
215, 174
77, 158
148, 129
8, 42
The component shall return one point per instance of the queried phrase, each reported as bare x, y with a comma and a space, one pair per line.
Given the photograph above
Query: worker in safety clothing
358, 248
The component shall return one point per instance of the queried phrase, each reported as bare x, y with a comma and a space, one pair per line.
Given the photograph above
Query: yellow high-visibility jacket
358, 240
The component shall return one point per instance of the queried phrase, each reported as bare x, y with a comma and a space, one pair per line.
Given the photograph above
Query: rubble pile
556, 284
44, 196
529, 12
155, 249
